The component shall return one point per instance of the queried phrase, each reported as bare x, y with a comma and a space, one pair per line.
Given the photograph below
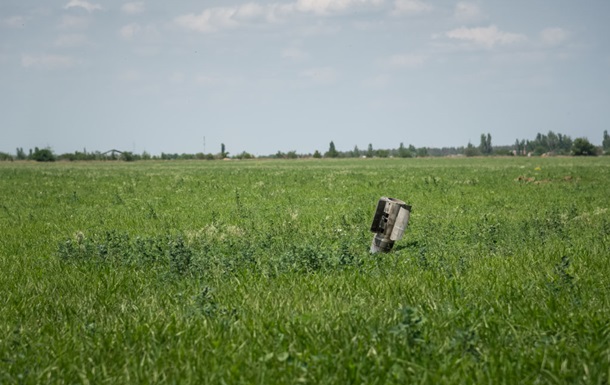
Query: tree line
543, 144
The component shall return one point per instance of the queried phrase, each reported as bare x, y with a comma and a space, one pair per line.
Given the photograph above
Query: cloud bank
485, 36
87, 6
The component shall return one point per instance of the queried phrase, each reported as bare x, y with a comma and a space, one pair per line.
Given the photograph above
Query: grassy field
259, 272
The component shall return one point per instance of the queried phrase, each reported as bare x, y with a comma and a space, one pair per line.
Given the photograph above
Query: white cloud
405, 61
73, 40
215, 19
130, 30
218, 18
249, 11
133, 8
87, 6
275, 12
14, 22
320, 75
73, 22
49, 62
410, 7
467, 12
486, 36
324, 7
295, 54
553, 36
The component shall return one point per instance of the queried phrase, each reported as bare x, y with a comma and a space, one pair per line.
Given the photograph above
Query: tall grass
259, 272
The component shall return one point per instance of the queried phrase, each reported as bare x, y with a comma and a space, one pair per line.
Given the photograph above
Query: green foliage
128, 156
550, 143
317, 154
332, 151
582, 147
245, 155
292, 155
43, 155
471, 150
20, 154
403, 152
485, 147
606, 142
259, 272
223, 152
422, 152
288, 155
382, 153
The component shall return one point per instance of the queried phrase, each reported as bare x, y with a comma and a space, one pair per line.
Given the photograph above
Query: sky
267, 76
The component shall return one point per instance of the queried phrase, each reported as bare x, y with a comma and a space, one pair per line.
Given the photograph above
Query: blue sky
263, 76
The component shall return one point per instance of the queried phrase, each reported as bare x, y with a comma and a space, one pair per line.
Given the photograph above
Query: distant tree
382, 153
21, 154
245, 155
482, 144
606, 142
317, 154
403, 152
369, 151
485, 147
356, 152
471, 150
582, 147
541, 141
127, 156
43, 155
332, 151
422, 152
552, 141
292, 155
412, 150
540, 149
490, 148
5, 156
565, 144
549, 143
223, 152
518, 147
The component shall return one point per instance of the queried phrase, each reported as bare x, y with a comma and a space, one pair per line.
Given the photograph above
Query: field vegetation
259, 272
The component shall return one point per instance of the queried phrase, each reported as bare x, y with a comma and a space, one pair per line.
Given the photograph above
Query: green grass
259, 272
